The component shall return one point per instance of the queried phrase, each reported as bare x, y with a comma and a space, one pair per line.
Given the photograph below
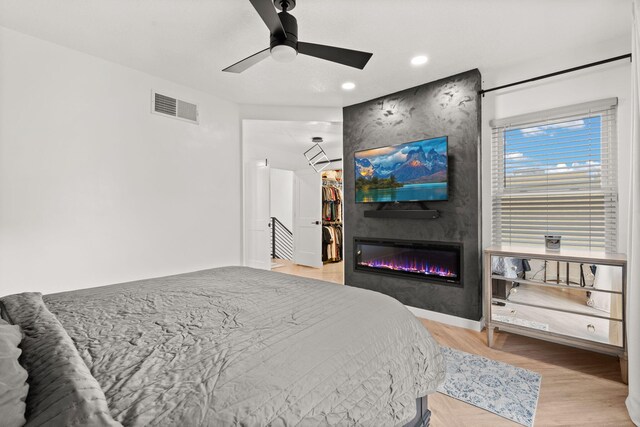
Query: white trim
539, 116
474, 325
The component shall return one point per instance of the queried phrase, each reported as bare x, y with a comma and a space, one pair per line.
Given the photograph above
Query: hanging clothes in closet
332, 216
332, 243
331, 203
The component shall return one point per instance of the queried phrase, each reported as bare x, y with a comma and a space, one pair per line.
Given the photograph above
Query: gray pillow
62, 391
13, 377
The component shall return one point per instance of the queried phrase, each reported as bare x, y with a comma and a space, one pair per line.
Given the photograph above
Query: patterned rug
497, 387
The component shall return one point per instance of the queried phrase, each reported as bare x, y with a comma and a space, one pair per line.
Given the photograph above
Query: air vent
167, 105
187, 111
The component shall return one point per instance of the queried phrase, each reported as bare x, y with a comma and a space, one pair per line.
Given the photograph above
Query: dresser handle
591, 328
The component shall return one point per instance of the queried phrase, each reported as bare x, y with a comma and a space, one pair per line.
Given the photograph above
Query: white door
307, 218
257, 230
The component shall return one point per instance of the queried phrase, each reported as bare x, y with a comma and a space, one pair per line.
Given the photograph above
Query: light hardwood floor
331, 272
579, 388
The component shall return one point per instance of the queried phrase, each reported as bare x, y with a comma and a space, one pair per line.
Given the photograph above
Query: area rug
505, 390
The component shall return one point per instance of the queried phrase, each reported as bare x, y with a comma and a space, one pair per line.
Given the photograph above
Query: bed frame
423, 414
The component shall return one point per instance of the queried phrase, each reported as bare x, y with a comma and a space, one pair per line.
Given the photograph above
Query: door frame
245, 215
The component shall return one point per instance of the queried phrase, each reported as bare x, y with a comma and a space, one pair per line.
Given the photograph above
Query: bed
225, 346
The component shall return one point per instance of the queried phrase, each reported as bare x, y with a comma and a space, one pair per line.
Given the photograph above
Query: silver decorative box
552, 242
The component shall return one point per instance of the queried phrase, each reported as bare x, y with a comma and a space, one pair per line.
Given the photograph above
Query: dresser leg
624, 372
490, 336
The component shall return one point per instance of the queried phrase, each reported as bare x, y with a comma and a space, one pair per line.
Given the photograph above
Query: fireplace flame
410, 266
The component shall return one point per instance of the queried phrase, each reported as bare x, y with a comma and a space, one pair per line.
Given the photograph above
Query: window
554, 172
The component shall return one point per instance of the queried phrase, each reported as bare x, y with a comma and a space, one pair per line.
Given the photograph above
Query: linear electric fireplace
429, 261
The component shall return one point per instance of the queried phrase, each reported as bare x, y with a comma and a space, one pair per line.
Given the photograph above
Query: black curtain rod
328, 161
557, 73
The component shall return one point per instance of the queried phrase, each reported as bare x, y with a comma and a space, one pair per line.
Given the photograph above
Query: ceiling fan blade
268, 13
352, 58
247, 62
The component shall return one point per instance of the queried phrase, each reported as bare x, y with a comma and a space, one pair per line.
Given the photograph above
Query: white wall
282, 196
283, 142
94, 189
290, 113
611, 80
286, 159
280, 159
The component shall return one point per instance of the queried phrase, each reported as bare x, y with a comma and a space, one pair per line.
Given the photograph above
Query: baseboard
474, 325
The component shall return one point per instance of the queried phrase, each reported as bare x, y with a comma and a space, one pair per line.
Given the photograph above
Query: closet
332, 216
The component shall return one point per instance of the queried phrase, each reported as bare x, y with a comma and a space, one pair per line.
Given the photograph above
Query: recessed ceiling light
348, 85
419, 60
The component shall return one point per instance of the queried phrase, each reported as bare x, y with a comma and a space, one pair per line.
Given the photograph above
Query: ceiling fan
284, 46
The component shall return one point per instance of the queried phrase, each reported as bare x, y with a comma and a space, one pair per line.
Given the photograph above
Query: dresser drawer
579, 301
572, 325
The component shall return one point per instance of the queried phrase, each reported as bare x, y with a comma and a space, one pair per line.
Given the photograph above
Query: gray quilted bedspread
238, 346
62, 391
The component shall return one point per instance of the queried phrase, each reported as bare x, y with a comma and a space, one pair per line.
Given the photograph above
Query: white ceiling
190, 41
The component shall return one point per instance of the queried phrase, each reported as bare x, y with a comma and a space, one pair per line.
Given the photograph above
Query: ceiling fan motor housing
284, 4
290, 24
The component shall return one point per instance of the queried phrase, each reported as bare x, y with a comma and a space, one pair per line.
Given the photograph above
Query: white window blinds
554, 172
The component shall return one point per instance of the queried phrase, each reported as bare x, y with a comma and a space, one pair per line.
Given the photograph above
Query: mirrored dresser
570, 297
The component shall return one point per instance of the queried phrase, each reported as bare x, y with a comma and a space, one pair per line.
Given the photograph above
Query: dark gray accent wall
448, 107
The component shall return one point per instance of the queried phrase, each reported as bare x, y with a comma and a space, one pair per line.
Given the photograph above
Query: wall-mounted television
411, 172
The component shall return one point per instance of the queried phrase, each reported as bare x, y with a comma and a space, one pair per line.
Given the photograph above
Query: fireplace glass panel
429, 261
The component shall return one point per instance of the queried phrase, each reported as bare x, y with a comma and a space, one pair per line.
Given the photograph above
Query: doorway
331, 265
298, 206
281, 212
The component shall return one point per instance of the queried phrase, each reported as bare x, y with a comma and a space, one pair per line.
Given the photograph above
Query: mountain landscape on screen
414, 171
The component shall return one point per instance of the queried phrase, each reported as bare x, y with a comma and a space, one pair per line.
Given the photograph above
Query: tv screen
410, 172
